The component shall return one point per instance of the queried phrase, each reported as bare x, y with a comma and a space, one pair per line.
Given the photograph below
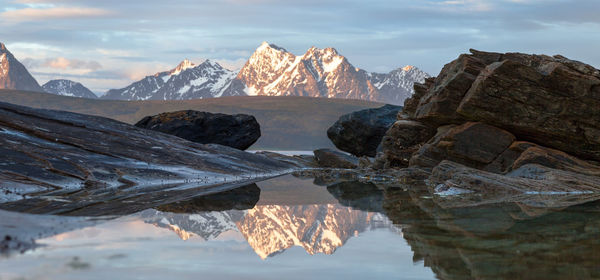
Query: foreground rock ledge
61, 162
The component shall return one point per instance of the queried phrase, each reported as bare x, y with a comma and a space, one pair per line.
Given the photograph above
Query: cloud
61, 63
28, 14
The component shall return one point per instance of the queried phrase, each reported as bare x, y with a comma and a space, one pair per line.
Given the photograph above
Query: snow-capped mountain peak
272, 70
184, 65
186, 81
266, 46
68, 88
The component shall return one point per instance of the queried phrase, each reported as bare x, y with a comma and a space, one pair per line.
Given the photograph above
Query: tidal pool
303, 228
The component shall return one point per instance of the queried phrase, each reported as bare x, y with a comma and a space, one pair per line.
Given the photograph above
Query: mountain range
272, 229
270, 71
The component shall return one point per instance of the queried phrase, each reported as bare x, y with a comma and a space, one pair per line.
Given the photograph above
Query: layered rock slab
58, 159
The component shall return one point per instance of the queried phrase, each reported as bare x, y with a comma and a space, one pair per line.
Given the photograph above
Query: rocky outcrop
498, 115
360, 133
551, 101
236, 131
334, 159
80, 164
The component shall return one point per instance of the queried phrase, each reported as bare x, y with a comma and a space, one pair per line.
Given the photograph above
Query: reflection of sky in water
141, 246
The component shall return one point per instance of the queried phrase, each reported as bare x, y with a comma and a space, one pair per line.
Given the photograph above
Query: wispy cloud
43, 12
62, 63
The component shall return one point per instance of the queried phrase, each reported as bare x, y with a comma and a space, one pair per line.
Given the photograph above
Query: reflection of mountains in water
271, 229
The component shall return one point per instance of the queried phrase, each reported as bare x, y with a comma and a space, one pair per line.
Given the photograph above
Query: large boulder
551, 101
334, 159
236, 131
360, 133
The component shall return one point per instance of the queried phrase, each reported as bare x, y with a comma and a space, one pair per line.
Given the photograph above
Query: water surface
301, 228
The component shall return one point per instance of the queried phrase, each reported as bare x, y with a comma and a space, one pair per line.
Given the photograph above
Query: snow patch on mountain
68, 88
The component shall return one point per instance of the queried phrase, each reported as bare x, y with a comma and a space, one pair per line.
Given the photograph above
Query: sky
109, 44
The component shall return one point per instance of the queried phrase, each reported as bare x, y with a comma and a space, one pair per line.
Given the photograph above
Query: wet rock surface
335, 159
237, 131
360, 133
60, 162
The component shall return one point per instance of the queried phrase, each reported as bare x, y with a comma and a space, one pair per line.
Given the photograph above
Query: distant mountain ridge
68, 88
184, 82
273, 71
13, 75
270, 71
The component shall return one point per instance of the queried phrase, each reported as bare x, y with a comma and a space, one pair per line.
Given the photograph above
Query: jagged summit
186, 81
272, 70
318, 72
265, 46
13, 75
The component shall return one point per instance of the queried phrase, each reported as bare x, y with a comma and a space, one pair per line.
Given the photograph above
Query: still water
302, 228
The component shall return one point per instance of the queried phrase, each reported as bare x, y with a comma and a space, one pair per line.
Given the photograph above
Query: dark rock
551, 101
364, 162
335, 159
236, 131
403, 139
473, 144
360, 133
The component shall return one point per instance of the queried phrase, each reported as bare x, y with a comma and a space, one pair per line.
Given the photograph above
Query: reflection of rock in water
460, 239
358, 195
236, 199
500, 241
271, 229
